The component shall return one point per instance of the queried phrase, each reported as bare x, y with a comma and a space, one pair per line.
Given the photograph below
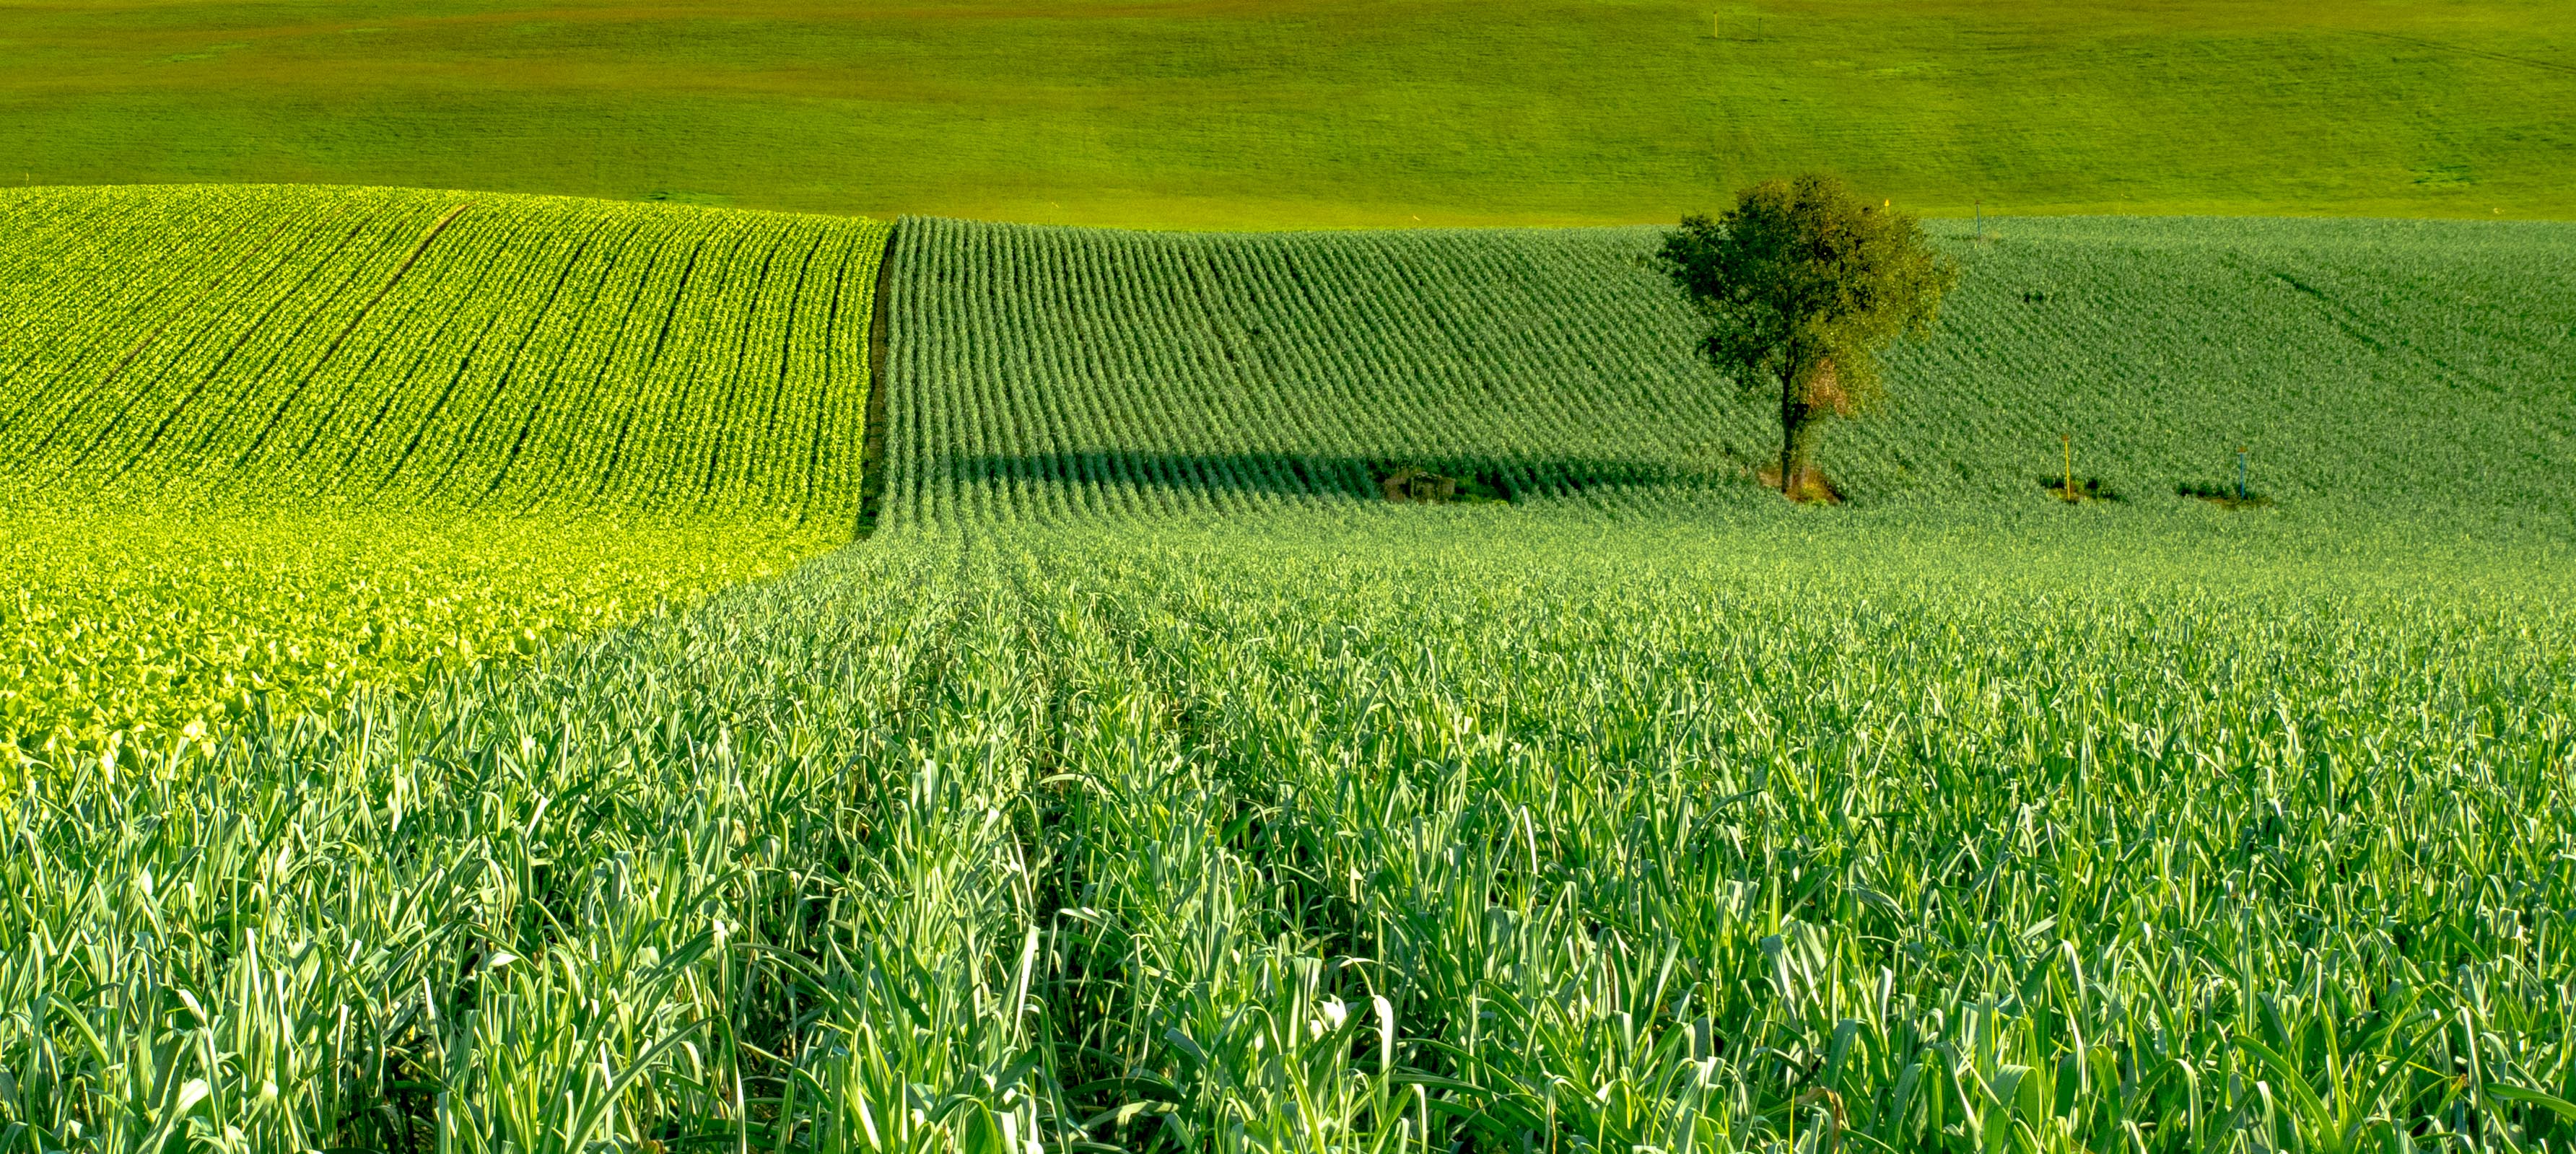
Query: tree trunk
1792, 416
1796, 417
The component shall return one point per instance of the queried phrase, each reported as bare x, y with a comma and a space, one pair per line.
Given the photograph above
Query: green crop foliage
1147, 783
127, 629
270, 446
1335, 113
1069, 373
1344, 833
315, 347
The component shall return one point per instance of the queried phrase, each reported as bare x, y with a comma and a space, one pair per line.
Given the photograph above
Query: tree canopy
1802, 282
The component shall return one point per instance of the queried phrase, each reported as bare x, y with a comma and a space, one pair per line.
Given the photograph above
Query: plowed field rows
388, 771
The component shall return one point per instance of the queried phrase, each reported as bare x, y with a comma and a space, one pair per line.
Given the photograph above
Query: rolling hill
1268, 113
405, 753
266, 448
321, 347
315, 346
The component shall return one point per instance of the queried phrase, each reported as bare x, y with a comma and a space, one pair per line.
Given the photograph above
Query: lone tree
1802, 282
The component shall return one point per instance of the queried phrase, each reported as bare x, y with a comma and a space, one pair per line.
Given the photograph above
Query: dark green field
2375, 368
1317, 112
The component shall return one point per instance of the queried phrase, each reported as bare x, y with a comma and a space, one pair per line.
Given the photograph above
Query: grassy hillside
1068, 373
1316, 112
588, 408
321, 346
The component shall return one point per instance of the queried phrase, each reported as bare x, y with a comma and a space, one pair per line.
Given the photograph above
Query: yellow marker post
2069, 440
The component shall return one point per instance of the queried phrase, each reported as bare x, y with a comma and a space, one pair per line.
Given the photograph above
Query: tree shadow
1502, 477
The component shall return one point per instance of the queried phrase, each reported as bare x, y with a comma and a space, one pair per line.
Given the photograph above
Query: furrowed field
1146, 782
267, 446
396, 347
1071, 373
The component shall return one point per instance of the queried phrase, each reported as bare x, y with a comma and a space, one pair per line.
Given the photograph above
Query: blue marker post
2240, 474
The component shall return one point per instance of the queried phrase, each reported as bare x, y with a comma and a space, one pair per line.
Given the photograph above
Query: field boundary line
827, 399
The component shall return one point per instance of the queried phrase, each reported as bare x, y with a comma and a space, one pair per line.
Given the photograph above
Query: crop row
1078, 371
270, 448
1357, 834
460, 350
1065, 373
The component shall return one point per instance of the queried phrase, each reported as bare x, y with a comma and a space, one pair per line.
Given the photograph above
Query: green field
140, 627
1381, 113
1336, 832
448, 710
270, 447
371, 347
2395, 368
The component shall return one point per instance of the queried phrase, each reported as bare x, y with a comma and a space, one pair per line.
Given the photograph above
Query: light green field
1318, 112
383, 347
143, 628
270, 447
